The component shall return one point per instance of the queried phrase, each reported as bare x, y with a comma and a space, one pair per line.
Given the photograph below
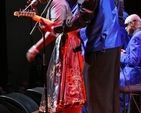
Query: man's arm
81, 19
132, 58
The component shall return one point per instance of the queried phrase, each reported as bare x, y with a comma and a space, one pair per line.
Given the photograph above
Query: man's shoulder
56, 2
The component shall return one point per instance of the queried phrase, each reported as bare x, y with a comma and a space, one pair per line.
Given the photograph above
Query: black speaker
3, 109
35, 94
18, 103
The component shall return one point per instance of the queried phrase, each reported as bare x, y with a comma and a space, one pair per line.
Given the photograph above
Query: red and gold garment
65, 84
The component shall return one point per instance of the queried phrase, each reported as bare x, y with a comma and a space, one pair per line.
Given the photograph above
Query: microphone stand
42, 15
44, 61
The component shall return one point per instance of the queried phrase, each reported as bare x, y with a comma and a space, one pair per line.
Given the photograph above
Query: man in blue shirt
131, 56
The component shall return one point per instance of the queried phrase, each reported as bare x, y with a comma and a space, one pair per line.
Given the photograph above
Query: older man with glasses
131, 57
132, 23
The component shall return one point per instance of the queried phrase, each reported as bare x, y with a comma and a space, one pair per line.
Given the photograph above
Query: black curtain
3, 46
133, 6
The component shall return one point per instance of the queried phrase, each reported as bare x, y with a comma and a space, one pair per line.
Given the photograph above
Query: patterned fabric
65, 77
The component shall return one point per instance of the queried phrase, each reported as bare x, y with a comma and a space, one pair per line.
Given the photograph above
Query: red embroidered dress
65, 76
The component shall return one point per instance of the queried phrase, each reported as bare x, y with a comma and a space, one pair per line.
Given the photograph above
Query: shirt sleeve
133, 55
59, 13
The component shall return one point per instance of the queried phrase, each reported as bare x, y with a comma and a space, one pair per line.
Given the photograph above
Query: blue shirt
104, 30
132, 60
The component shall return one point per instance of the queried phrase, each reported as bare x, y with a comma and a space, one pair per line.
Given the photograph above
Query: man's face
130, 28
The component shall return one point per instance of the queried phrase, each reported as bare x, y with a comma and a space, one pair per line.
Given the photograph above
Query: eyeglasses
125, 25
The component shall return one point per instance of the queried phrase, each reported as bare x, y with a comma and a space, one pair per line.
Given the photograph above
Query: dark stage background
15, 39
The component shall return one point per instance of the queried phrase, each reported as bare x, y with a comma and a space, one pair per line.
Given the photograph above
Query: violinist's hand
31, 53
46, 25
41, 1
29, 1
33, 3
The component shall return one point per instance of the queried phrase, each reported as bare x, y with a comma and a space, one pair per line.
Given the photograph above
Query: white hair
132, 17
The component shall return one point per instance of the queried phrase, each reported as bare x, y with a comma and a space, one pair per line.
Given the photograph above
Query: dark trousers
101, 74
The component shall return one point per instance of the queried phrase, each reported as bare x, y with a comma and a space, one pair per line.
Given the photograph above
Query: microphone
33, 2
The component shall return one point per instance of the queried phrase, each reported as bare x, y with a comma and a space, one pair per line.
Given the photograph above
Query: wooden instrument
33, 15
